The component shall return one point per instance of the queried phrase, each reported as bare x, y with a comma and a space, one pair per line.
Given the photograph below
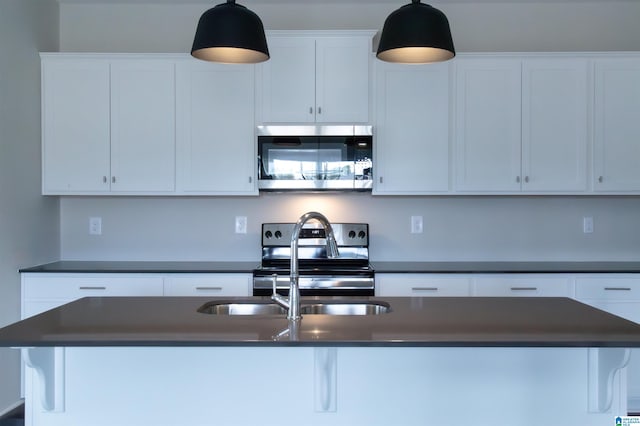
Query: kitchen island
445, 361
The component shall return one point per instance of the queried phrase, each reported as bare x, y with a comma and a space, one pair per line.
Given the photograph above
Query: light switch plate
587, 224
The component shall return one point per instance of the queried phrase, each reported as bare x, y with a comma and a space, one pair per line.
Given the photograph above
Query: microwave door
313, 163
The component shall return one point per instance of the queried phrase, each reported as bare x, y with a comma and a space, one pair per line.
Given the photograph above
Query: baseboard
12, 410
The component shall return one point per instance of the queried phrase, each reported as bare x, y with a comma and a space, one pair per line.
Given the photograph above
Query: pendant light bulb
230, 33
416, 33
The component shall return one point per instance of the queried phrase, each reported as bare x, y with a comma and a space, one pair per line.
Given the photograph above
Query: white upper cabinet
521, 125
412, 128
108, 125
488, 127
216, 147
315, 76
142, 126
617, 125
555, 109
75, 126
500, 123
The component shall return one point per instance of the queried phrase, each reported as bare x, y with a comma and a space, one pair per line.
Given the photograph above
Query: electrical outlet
587, 224
241, 224
95, 226
416, 224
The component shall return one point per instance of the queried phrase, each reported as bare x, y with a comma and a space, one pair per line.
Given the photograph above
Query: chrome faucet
292, 304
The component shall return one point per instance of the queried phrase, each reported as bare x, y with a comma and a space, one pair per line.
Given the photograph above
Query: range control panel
313, 234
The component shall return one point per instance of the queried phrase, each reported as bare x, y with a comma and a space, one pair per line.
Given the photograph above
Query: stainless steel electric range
350, 274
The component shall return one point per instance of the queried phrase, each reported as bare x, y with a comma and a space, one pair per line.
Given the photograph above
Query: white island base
308, 386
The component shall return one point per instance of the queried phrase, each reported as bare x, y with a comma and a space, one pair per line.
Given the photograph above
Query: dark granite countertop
145, 267
506, 267
421, 322
69, 266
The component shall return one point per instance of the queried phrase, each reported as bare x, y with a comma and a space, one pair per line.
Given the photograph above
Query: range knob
362, 234
352, 234
278, 234
268, 234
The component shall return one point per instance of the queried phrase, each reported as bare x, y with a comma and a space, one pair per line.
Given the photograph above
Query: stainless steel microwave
315, 158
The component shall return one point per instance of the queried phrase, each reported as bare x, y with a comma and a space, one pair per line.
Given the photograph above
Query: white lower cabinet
208, 285
423, 285
43, 291
523, 285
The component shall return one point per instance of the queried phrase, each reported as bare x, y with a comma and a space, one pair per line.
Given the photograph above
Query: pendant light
230, 33
416, 33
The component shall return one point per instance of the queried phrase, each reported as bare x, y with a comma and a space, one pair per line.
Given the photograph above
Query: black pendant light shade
230, 33
416, 33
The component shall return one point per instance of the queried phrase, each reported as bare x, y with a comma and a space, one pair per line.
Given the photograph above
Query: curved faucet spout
293, 308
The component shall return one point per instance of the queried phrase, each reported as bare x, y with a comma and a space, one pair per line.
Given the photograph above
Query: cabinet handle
310, 110
113, 179
92, 288
381, 179
524, 288
104, 179
424, 288
517, 179
209, 288
526, 179
250, 179
600, 179
617, 288
319, 110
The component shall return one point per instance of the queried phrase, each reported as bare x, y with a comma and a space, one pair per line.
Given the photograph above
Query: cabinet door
524, 285
143, 126
342, 79
288, 81
209, 285
554, 121
215, 128
617, 127
412, 130
75, 126
41, 292
488, 129
422, 285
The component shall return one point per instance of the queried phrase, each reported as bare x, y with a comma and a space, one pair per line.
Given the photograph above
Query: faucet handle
274, 283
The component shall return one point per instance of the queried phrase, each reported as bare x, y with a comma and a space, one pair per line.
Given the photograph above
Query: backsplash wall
455, 228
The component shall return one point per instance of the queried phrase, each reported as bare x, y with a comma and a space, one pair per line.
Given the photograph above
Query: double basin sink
312, 307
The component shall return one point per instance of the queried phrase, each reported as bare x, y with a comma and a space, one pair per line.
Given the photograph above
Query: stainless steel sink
316, 307
242, 308
345, 308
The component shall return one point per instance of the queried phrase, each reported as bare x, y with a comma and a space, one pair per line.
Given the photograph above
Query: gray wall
455, 228
476, 25
29, 223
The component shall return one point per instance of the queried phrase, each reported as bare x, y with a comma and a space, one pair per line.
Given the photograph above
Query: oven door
318, 284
